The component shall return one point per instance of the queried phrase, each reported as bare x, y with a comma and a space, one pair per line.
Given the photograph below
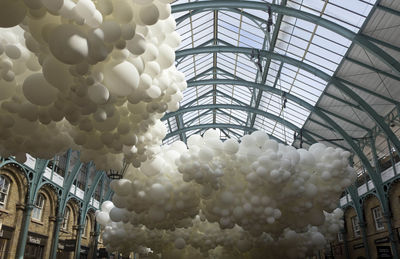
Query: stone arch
18, 181
51, 199
73, 205
371, 202
90, 220
393, 195
349, 213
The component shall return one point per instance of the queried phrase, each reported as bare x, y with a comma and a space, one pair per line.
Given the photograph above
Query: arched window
38, 207
64, 224
4, 189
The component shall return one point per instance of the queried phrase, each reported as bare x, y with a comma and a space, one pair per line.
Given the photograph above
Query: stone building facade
368, 232
48, 214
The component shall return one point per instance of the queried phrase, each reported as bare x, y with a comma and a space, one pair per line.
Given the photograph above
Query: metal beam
234, 133
84, 209
268, 63
388, 10
383, 43
242, 108
321, 138
373, 69
359, 39
241, 122
371, 92
342, 101
273, 90
220, 126
352, 190
62, 203
251, 17
265, 88
189, 122
301, 102
31, 195
198, 98
232, 98
345, 119
338, 83
215, 37
179, 123
205, 72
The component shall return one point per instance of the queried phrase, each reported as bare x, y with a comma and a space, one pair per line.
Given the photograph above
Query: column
56, 234
24, 231
384, 199
18, 224
363, 227
392, 236
79, 230
346, 244
49, 244
94, 241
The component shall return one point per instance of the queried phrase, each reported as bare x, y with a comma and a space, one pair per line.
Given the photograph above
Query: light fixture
117, 174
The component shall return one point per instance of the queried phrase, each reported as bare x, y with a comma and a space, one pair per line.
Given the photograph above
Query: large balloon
38, 91
86, 75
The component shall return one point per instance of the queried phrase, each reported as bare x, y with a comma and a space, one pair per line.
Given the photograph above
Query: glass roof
239, 108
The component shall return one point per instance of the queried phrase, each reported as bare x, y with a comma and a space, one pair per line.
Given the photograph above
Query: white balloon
166, 57
149, 14
121, 79
98, 93
137, 45
122, 11
68, 44
13, 51
12, 12
180, 243
52, 5
38, 91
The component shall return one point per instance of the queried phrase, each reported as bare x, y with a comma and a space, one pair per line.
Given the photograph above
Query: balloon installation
94, 76
211, 199
97, 76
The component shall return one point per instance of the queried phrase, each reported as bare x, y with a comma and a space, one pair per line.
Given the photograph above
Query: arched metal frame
202, 6
238, 107
198, 7
335, 81
218, 126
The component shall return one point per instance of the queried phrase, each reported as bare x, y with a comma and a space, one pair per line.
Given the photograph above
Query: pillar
78, 241
384, 199
363, 227
392, 236
18, 224
56, 234
346, 244
94, 241
50, 238
24, 231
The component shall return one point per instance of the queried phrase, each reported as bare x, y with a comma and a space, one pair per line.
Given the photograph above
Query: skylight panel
187, 116
299, 39
239, 114
222, 118
189, 95
243, 94
223, 100
207, 119
172, 123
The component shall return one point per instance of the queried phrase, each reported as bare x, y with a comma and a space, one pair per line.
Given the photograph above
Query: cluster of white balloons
95, 76
267, 193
